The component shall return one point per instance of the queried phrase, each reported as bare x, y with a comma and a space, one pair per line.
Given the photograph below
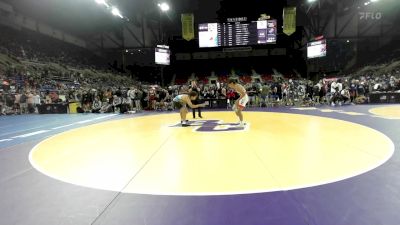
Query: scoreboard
316, 49
237, 33
162, 55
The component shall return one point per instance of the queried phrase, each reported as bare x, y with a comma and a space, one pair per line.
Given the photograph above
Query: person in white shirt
36, 101
131, 97
339, 86
333, 87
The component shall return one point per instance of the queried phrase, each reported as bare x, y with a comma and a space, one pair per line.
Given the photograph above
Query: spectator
131, 96
2, 103
138, 99
30, 102
17, 106
23, 103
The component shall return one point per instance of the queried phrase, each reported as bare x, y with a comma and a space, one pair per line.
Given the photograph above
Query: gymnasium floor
287, 166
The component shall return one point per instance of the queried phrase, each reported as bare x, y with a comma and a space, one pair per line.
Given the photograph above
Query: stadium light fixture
374, 0
163, 6
102, 2
116, 12
311, 1
367, 3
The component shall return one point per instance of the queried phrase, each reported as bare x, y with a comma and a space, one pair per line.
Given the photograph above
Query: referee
195, 88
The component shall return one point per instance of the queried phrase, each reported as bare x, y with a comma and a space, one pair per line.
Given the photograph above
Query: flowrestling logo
213, 126
370, 15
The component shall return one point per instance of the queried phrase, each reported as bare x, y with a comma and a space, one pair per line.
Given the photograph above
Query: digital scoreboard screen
316, 49
162, 56
237, 33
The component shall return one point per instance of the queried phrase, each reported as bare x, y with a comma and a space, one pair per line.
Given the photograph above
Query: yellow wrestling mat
390, 112
276, 151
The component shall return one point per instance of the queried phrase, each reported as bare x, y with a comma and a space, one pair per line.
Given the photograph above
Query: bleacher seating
202, 78
223, 79
181, 80
33, 46
246, 79
266, 77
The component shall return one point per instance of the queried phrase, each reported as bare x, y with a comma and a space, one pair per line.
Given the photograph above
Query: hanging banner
187, 26
289, 20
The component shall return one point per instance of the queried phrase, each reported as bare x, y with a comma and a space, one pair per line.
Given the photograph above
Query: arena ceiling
85, 17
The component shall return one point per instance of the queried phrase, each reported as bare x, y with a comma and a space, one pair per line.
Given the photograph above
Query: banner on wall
289, 20
187, 26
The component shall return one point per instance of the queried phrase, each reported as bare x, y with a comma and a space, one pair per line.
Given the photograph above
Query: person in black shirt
162, 94
195, 88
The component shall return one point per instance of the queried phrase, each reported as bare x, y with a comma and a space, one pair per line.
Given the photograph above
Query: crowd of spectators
18, 97
35, 47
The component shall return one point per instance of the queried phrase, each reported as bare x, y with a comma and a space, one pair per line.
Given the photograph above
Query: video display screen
162, 56
316, 49
237, 33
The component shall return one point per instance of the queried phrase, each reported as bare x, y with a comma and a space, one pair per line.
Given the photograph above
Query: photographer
345, 95
96, 106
